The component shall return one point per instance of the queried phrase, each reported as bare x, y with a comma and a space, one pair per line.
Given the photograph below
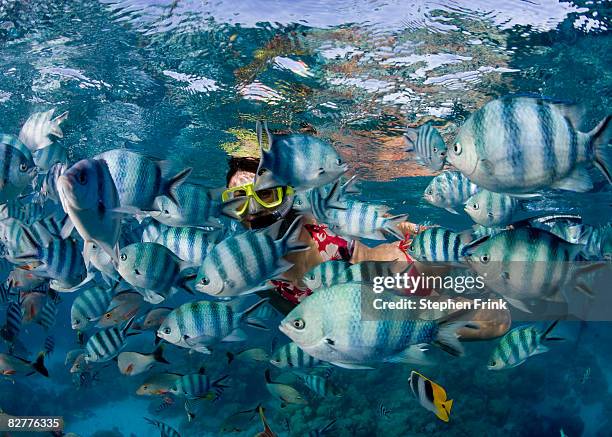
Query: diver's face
256, 216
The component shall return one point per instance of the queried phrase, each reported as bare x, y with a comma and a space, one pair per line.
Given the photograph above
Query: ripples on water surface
188, 79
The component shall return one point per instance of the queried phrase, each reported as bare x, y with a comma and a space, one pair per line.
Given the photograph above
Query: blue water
183, 80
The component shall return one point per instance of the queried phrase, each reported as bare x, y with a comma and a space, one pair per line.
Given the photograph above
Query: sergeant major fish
242, 263
197, 325
106, 344
428, 145
519, 344
299, 161
139, 179
364, 220
291, 356
89, 306
165, 429
328, 326
89, 197
198, 385
449, 190
524, 144
59, 259
188, 243
524, 264
18, 171
439, 245
195, 206
153, 270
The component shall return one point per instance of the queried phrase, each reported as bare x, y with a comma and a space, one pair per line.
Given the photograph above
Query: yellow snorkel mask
241, 197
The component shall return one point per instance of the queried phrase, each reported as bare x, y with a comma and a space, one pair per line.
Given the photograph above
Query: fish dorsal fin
261, 126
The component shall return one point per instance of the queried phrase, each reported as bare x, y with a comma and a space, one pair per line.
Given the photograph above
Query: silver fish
328, 326
241, 264
106, 344
188, 243
299, 161
135, 363
197, 325
449, 190
89, 197
18, 171
89, 306
139, 179
428, 145
195, 206
524, 144
153, 270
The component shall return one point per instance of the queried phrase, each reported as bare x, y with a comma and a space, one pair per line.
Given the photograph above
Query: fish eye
82, 178
144, 387
457, 148
123, 257
339, 161
167, 331
411, 248
204, 280
166, 212
299, 324
23, 167
475, 206
298, 202
430, 192
107, 316
484, 259
435, 150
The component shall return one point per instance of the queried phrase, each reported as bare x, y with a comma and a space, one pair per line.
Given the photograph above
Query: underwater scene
305, 218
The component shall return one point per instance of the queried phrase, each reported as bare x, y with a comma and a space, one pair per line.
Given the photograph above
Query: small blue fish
139, 179
449, 190
165, 429
299, 161
428, 145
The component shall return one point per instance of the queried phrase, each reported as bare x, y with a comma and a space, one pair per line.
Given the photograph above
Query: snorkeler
262, 208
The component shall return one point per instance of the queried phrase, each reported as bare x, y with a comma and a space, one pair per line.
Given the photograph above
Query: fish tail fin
217, 382
158, 354
600, 139
254, 322
174, 182
33, 254
55, 125
391, 225
548, 330
447, 338
411, 135
39, 364
444, 409
128, 325
291, 238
